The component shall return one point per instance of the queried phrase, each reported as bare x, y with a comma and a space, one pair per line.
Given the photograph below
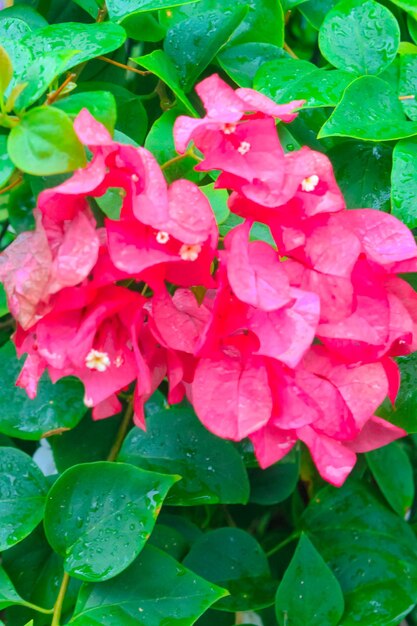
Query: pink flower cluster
276, 343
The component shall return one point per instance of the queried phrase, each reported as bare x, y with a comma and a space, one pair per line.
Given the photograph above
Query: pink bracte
278, 343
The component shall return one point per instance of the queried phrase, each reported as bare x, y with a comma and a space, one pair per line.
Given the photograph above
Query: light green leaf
407, 5
45, 143
242, 61
6, 71
175, 441
101, 105
118, 9
380, 119
6, 166
408, 84
25, 13
155, 590
360, 36
404, 180
23, 490
309, 592
218, 199
99, 516
288, 79
316, 10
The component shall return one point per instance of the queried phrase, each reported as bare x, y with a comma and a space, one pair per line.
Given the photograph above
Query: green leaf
8, 594
193, 43
218, 199
263, 22
407, 5
160, 141
363, 173
242, 61
25, 13
6, 166
288, 79
118, 9
309, 592
55, 406
316, 10
90, 40
90, 6
101, 105
382, 119
404, 414
132, 119
143, 27
404, 177
233, 559
160, 64
4, 309
360, 36
13, 29
23, 490
398, 486
94, 506
175, 441
90, 441
412, 27
6, 71
372, 552
155, 590
38, 77
170, 541
274, 484
408, 84
45, 143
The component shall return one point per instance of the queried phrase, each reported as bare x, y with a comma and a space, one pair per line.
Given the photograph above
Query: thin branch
290, 51
12, 185
121, 434
125, 67
60, 600
406, 97
54, 95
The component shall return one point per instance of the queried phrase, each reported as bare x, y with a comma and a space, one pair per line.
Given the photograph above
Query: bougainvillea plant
208, 332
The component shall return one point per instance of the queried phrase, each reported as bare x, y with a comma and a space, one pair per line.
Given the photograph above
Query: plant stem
179, 157
54, 95
124, 67
60, 600
284, 543
39, 609
121, 433
290, 51
102, 13
12, 185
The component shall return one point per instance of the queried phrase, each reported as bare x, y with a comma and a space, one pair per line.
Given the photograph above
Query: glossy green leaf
242, 61
193, 43
404, 414
263, 22
175, 441
316, 10
96, 505
39, 76
90, 6
25, 13
45, 143
4, 309
8, 594
380, 119
363, 172
23, 490
6, 71
407, 5
372, 552
91, 40
309, 592
412, 27
131, 117
170, 541
160, 141
360, 36
398, 486
13, 28
55, 406
101, 105
274, 484
6, 166
160, 64
408, 84
404, 178
143, 27
287, 79
233, 559
155, 590
118, 9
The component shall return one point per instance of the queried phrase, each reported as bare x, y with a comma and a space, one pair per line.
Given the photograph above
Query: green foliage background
174, 526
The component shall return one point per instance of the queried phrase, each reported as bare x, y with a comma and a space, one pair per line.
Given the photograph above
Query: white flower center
118, 361
229, 128
190, 252
244, 147
162, 237
135, 178
310, 183
88, 402
96, 360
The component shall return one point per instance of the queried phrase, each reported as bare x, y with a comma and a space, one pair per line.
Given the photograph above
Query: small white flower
310, 183
244, 147
96, 360
162, 237
229, 128
88, 402
135, 178
190, 252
